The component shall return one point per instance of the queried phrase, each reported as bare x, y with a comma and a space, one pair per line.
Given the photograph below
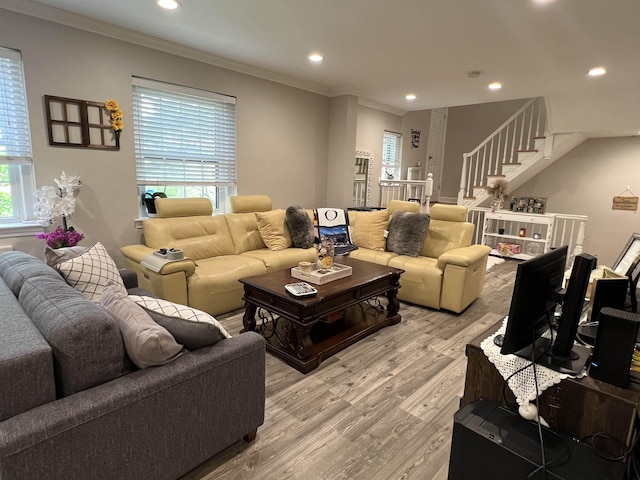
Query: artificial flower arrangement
499, 189
53, 203
115, 115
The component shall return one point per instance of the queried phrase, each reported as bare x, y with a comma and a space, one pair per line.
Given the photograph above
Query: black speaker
573, 302
615, 340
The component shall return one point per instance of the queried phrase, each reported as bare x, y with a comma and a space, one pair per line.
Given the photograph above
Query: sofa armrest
129, 277
136, 253
190, 408
464, 256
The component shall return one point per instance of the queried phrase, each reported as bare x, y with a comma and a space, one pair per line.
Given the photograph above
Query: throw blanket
333, 223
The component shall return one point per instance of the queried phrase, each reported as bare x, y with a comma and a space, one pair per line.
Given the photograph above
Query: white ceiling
381, 50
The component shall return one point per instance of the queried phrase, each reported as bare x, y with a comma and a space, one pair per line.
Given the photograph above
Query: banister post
465, 161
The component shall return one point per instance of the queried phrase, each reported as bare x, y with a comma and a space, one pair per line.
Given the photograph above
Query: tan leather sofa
448, 274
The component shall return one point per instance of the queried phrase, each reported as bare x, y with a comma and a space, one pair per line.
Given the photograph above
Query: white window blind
391, 160
15, 138
183, 136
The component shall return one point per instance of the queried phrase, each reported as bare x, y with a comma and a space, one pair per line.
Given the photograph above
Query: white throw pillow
90, 271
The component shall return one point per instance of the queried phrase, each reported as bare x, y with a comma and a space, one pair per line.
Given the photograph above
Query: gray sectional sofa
72, 406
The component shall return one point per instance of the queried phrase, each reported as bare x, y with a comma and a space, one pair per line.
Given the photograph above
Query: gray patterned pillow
191, 327
407, 232
90, 271
300, 227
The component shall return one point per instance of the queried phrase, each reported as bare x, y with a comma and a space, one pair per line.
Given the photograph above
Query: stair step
527, 151
469, 198
509, 164
497, 176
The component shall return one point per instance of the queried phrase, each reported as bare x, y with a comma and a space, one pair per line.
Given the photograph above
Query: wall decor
81, 124
415, 138
528, 204
626, 200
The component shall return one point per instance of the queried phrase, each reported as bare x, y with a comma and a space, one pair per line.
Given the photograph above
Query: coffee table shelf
304, 331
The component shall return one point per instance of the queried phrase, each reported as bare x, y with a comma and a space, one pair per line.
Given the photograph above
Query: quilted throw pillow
191, 327
407, 232
90, 271
300, 227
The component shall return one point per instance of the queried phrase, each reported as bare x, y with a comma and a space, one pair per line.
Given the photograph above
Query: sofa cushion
191, 327
199, 237
407, 232
368, 231
443, 236
273, 229
90, 271
300, 225
243, 228
283, 259
148, 344
26, 361
17, 267
86, 342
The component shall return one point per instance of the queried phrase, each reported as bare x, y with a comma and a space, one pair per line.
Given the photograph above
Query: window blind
391, 149
15, 138
183, 136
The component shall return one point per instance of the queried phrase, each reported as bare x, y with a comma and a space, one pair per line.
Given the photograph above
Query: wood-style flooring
381, 409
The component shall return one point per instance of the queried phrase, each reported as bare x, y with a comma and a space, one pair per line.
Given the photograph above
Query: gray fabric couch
72, 406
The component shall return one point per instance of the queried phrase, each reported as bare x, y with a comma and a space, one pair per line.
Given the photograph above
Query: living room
291, 140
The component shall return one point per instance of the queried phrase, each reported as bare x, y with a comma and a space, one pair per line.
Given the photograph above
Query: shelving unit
511, 224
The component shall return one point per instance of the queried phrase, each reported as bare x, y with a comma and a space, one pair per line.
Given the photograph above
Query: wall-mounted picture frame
528, 204
628, 254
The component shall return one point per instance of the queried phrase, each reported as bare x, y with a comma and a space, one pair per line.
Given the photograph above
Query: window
16, 169
185, 142
391, 161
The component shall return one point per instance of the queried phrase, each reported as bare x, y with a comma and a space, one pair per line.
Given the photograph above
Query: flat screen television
536, 292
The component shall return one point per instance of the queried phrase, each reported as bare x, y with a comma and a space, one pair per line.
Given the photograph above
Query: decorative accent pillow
369, 230
333, 223
147, 343
191, 327
273, 229
300, 226
407, 232
90, 271
53, 256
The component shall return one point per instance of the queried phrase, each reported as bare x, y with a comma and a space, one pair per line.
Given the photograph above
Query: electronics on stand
615, 342
492, 443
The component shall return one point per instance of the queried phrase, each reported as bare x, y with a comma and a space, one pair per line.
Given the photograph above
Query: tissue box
509, 248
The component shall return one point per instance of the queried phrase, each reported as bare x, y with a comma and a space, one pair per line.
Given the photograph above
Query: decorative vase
325, 254
496, 204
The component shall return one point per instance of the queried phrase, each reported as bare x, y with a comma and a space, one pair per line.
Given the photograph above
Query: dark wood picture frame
79, 124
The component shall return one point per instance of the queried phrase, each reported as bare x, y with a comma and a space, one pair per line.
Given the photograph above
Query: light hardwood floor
381, 409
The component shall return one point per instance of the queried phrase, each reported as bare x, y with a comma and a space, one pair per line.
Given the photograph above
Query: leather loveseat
448, 273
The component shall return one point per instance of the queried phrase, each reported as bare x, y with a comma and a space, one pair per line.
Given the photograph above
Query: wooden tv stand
577, 407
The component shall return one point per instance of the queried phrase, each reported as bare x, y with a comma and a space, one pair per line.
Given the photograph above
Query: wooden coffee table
304, 331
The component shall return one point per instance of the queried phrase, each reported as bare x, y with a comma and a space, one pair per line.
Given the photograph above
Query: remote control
300, 289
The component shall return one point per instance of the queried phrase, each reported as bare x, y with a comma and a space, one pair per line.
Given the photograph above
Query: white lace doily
521, 384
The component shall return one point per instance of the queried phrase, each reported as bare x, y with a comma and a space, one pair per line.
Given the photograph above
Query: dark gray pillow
406, 232
191, 327
300, 227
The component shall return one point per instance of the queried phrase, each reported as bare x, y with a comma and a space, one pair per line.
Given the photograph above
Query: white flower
52, 203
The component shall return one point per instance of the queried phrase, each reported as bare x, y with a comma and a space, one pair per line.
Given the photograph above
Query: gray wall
584, 182
282, 131
467, 126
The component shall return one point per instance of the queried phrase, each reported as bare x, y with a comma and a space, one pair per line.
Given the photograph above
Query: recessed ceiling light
410, 96
316, 57
169, 4
495, 86
596, 72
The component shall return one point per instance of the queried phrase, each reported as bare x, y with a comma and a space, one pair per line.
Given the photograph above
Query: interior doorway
435, 149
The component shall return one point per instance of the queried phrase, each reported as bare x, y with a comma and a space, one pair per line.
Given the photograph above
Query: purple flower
61, 238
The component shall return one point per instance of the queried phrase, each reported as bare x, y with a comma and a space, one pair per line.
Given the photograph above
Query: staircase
516, 151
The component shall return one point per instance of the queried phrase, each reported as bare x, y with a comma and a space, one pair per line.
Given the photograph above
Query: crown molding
63, 17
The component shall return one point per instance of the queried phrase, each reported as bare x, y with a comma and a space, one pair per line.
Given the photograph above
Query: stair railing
517, 134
